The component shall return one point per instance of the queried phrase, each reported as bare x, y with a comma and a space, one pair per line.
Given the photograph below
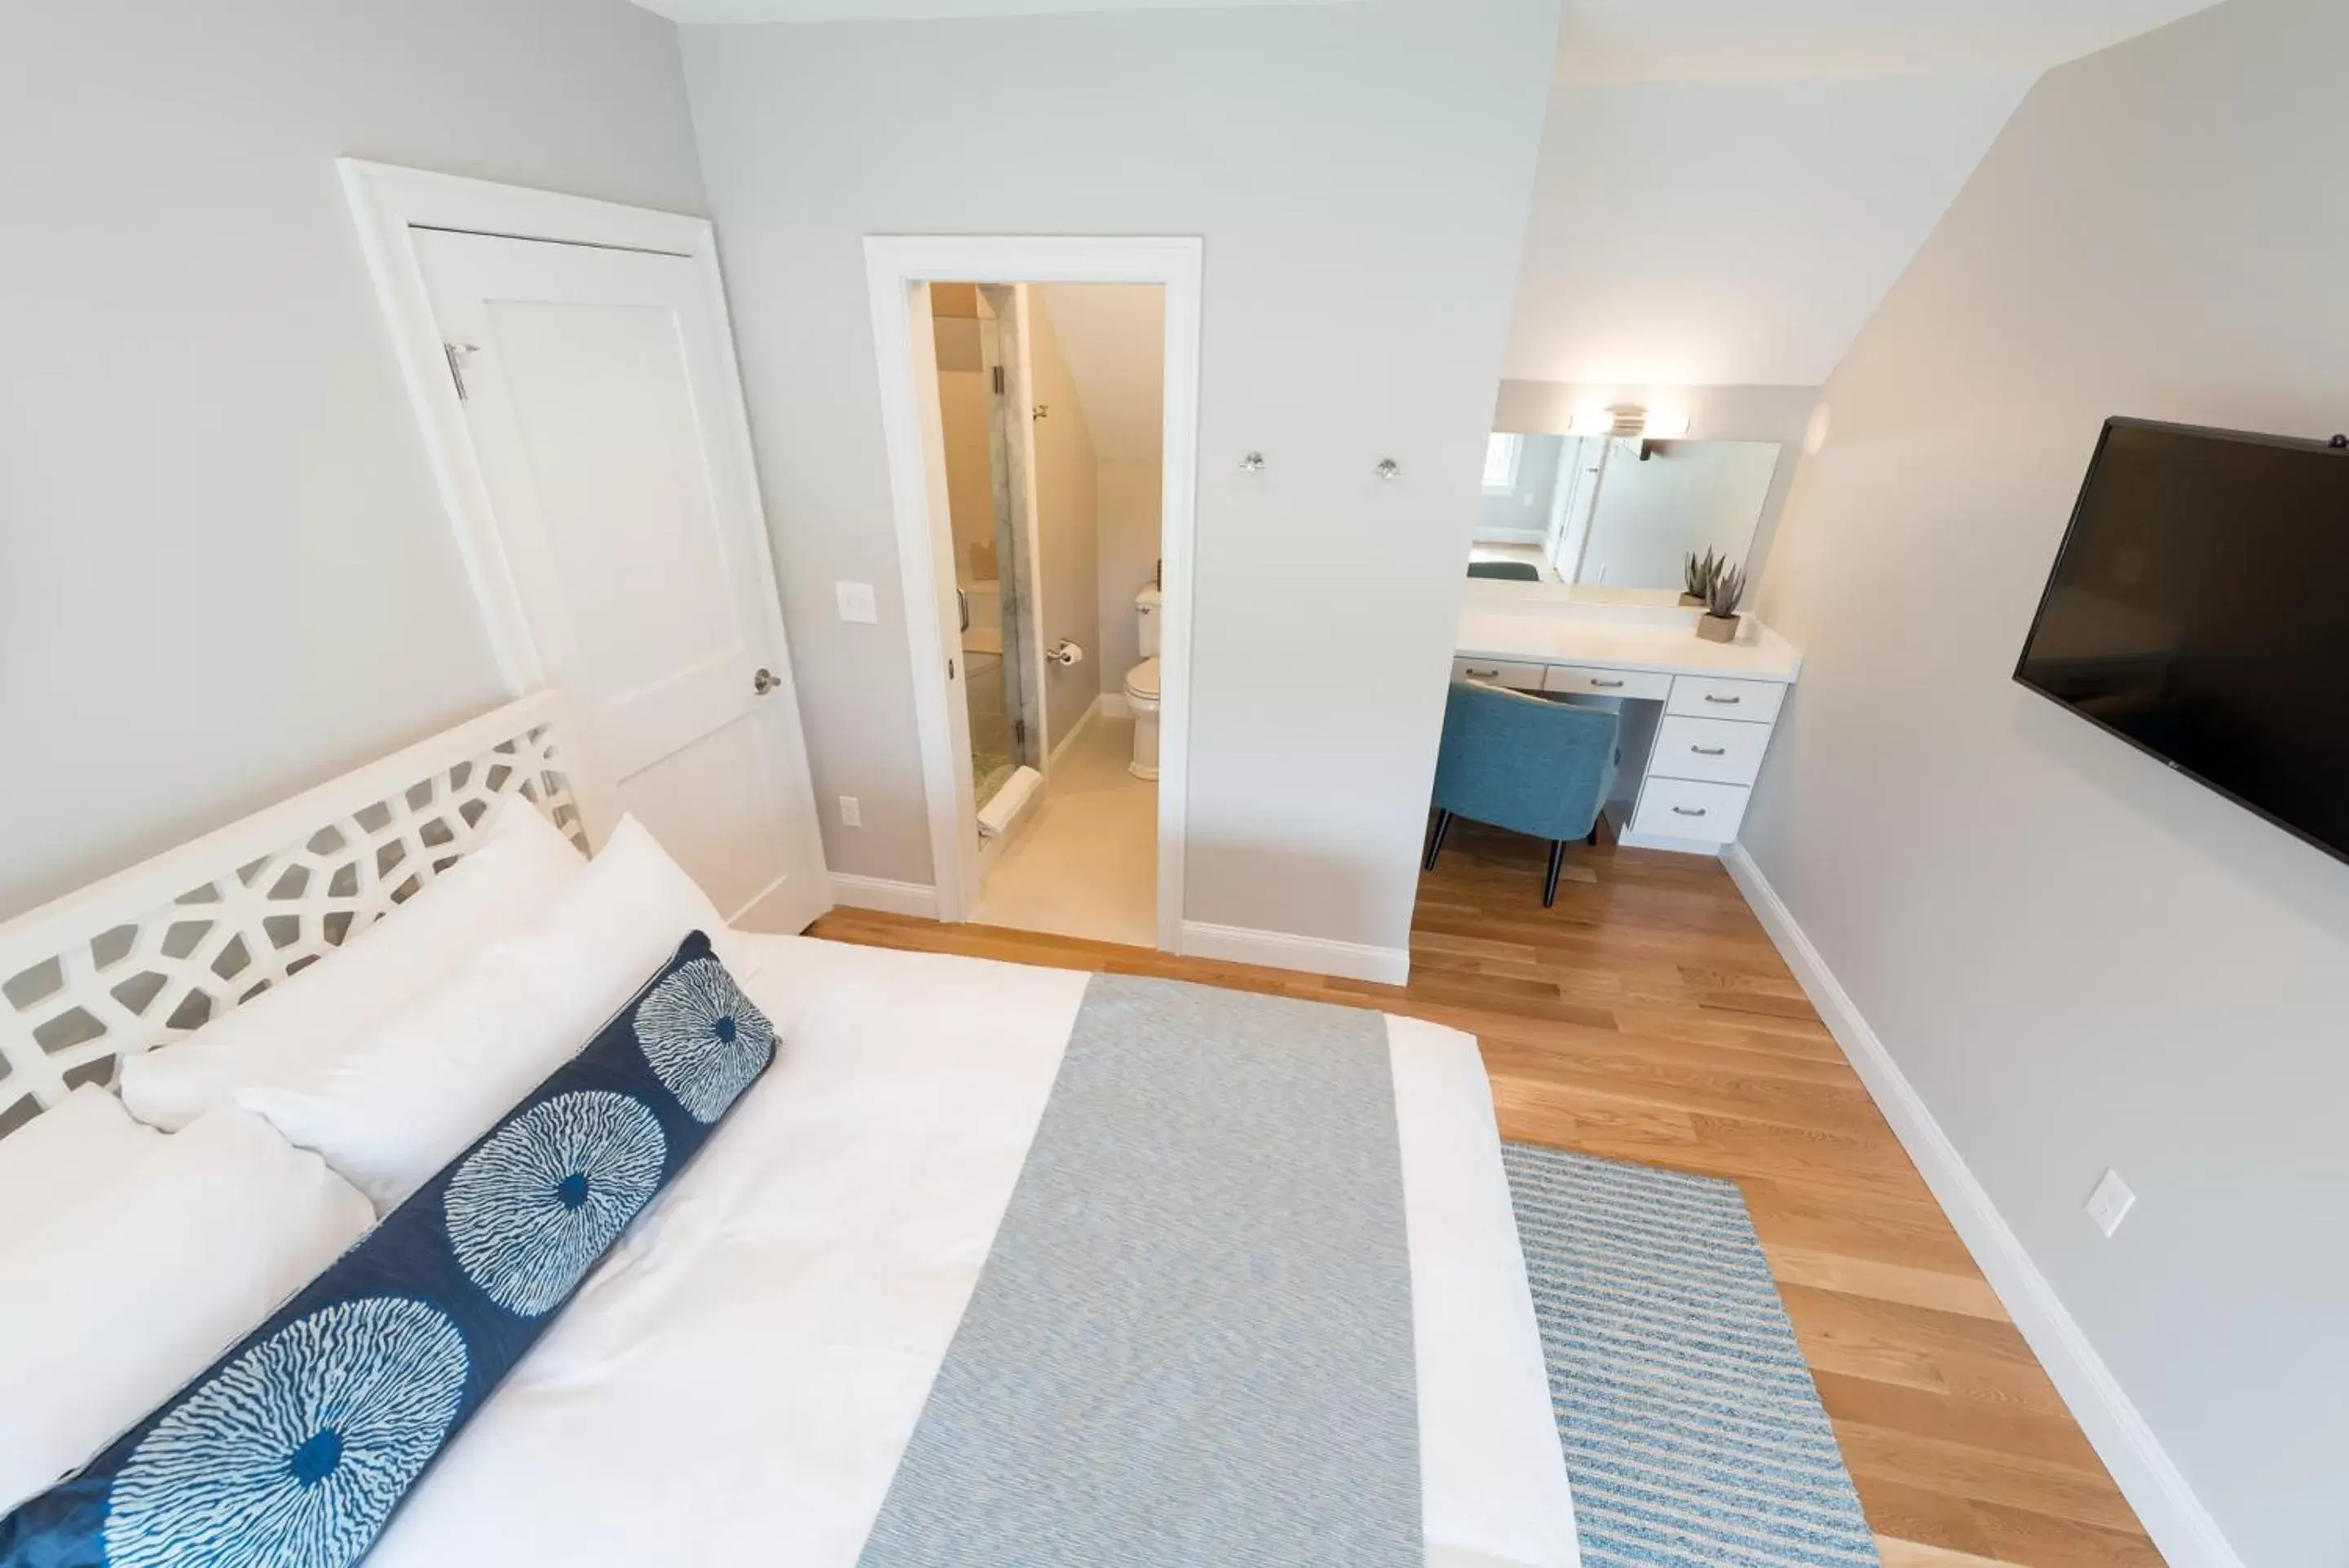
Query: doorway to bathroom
1039, 402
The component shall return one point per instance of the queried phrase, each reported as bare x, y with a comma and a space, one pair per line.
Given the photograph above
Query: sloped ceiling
1727, 190
1733, 232
1113, 337
1740, 40
923, 10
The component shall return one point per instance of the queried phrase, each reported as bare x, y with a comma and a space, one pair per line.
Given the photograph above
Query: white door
606, 422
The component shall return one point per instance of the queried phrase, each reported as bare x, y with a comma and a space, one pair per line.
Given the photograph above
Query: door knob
764, 682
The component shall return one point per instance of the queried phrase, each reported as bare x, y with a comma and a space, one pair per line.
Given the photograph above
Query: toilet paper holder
1065, 652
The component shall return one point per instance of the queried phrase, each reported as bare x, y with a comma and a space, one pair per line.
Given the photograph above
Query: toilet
1141, 688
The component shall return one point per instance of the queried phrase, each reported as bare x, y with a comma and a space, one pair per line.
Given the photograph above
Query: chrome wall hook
1388, 467
1252, 464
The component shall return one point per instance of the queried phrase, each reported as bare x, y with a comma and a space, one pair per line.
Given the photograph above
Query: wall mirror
1609, 513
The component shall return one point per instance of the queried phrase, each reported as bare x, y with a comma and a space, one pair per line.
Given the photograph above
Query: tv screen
2200, 609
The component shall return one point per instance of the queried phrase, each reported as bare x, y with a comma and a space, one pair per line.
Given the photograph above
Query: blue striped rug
1694, 1433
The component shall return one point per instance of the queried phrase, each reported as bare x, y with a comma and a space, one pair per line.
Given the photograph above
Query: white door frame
898, 271
387, 201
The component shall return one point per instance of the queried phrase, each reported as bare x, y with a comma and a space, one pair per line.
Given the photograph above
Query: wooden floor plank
1916, 1555
1647, 1017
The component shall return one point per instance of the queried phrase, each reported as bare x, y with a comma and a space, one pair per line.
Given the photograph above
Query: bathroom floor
1086, 863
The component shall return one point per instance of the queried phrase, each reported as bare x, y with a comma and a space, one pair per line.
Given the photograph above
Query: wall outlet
2109, 1204
856, 602
851, 813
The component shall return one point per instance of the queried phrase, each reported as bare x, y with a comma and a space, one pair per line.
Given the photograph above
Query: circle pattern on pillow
294, 1454
533, 1207
706, 1041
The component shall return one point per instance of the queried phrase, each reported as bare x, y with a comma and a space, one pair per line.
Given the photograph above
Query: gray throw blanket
1192, 1343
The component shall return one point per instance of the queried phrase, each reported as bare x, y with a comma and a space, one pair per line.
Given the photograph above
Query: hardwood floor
1647, 1017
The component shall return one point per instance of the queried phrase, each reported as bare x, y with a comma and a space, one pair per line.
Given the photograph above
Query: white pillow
63, 1156
525, 861
110, 1309
408, 1097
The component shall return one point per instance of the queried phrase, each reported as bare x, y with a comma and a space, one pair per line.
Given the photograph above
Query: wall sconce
1630, 420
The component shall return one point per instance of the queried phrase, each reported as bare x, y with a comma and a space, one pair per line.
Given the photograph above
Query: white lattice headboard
145, 957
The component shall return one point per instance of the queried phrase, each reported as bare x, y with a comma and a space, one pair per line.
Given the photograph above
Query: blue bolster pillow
295, 1447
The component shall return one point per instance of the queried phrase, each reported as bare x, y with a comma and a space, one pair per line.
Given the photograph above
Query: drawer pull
1604, 685
1482, 674
1688, 811
1724, 701
1710, 751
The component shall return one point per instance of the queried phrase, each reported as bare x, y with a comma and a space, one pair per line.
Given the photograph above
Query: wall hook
1252, 464
1388, 467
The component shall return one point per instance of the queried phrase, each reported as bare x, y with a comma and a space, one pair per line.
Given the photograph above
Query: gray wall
2079, 959
224, 571
1345, 165
1524, 509
1714, 413
1067, 526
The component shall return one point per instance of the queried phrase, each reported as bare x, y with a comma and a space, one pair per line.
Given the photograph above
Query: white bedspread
737, 1383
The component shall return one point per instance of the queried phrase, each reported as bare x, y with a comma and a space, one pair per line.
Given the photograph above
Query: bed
755, 1355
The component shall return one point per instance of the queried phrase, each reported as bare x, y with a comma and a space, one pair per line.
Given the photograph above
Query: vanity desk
1697, 716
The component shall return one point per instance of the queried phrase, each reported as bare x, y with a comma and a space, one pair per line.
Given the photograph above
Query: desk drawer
1498, 672
1584, 681
1718, 750
1683, 808
1710, 697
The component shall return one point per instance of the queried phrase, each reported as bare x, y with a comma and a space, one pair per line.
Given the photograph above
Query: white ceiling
1659, 40
1727, 188
1744, 41
1113, 337
924, 10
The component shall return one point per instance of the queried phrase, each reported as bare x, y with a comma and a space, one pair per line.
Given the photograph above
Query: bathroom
1056, 545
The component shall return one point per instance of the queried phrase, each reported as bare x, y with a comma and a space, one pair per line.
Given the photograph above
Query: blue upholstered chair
1506, 571
1519, 762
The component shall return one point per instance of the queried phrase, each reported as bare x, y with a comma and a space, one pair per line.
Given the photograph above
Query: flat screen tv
2200, 610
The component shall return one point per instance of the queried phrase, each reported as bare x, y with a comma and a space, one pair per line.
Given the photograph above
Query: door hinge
999, 381
456, 354
950, 669
1019, 732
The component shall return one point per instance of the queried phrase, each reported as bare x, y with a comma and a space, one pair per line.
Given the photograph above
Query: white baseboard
880, 893
1084, 721
1113, 705
2172, 1514
1315, 955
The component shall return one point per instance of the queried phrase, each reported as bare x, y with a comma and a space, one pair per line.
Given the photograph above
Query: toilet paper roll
1065, 652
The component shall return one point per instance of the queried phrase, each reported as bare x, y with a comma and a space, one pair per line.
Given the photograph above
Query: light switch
856, 602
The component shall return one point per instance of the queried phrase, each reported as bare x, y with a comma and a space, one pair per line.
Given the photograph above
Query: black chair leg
1593, 840
1557, 865
1435, 840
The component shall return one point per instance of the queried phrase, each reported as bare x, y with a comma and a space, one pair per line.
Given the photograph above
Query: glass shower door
995, 639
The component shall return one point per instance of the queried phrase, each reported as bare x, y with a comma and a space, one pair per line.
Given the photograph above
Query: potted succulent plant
1699, 575
1719, 621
